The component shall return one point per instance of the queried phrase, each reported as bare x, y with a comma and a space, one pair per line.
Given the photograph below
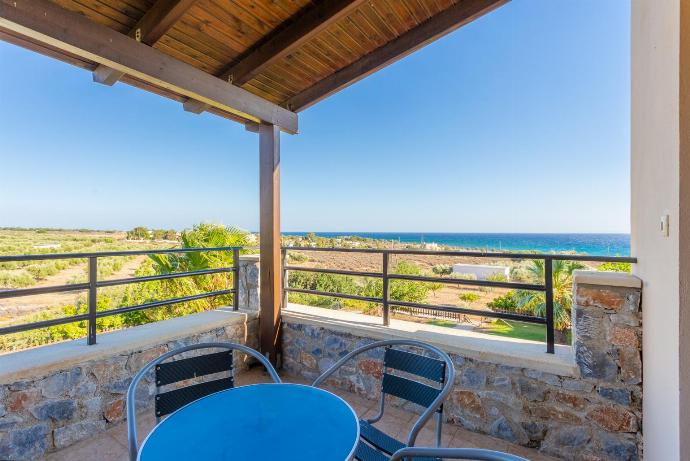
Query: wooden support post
269, 228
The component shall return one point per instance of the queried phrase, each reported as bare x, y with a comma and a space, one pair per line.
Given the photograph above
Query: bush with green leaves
614, 267
469, 297
504, 303
442, 269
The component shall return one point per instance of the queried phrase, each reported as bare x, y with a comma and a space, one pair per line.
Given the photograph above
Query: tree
535, 302
200, 236
138, 233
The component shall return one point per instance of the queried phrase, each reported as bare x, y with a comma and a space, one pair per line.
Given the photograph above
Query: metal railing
387, 276
93, 284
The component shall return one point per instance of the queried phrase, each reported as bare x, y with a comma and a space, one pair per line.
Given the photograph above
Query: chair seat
379, 439
365, 452
382, 444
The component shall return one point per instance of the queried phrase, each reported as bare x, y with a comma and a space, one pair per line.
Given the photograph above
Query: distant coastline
591, 244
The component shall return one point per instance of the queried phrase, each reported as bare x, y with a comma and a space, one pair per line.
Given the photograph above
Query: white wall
655, 188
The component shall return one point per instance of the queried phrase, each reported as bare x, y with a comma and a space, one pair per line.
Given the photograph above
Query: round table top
258, 422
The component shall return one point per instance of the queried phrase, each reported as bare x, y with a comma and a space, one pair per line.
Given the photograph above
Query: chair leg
439, 427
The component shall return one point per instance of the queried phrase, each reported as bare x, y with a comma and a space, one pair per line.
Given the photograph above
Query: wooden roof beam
45, 22
282, 42
155, 23
288, 38
443, 23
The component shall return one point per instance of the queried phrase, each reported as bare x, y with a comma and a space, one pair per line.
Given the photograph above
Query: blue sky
518, 122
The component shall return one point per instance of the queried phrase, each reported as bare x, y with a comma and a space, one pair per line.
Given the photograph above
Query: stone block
624, 336
618, 448
60, 384
631, 365
574, 401
25, 444
56, 410
507, 430
595, 363
114, 410
469, 402
473, 378
10, 421
598, 296
572, 437
20, 400
531, 390
620, 396
373, 368
613, 419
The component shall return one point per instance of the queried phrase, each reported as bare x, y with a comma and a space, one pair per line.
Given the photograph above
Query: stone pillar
607, 329
249, 282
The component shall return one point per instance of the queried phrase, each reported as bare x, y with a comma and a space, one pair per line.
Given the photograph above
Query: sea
590, 244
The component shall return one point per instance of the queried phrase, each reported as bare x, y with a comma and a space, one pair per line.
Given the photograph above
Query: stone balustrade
56, 395
592, 413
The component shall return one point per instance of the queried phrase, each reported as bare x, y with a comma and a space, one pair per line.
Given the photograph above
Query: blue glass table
257, 422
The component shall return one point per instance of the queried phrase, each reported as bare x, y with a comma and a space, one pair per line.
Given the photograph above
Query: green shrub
469, 297
506, 302
442, 269
615, 267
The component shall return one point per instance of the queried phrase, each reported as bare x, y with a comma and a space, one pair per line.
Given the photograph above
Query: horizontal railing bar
334, 295
475, 312
478, 254
42, 324
334, 271
480, 283
165, 302
151, 278
43, 290
102, 254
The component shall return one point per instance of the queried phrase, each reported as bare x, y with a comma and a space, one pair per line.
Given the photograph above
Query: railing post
386, 309
93, 300
235, 279
548, 283
284, 279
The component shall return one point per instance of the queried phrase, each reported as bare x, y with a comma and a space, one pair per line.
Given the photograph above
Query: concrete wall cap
250, 258
44, 360
613, 279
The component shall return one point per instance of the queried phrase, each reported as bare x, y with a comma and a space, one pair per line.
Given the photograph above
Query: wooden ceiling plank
289, 38
149, 29
449, 20
48, 23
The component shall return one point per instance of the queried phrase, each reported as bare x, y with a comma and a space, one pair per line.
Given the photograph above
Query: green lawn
515, 329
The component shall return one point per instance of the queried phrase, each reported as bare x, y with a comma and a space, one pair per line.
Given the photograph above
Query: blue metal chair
375, 444
476, 454
187, 368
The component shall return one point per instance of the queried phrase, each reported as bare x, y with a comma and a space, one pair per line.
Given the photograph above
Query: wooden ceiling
292, 53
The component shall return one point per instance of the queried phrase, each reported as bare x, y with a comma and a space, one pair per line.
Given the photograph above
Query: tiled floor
112, 444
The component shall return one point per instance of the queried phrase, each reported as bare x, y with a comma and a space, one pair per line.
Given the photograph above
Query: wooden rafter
155, 23
443, 23
45, 22
281, 43
289, 38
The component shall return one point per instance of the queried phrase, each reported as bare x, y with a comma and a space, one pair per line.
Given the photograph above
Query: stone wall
39, 414
593, 416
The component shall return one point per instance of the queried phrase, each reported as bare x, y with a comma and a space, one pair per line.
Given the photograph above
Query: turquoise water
591, 244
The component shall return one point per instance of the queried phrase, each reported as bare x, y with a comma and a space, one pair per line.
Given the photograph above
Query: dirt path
12, 308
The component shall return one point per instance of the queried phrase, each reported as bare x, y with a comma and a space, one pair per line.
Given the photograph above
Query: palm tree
535, 302
201, 236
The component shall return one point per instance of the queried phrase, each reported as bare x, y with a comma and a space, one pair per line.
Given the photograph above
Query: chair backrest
476, 454
187, 368
415, 364
168, 373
